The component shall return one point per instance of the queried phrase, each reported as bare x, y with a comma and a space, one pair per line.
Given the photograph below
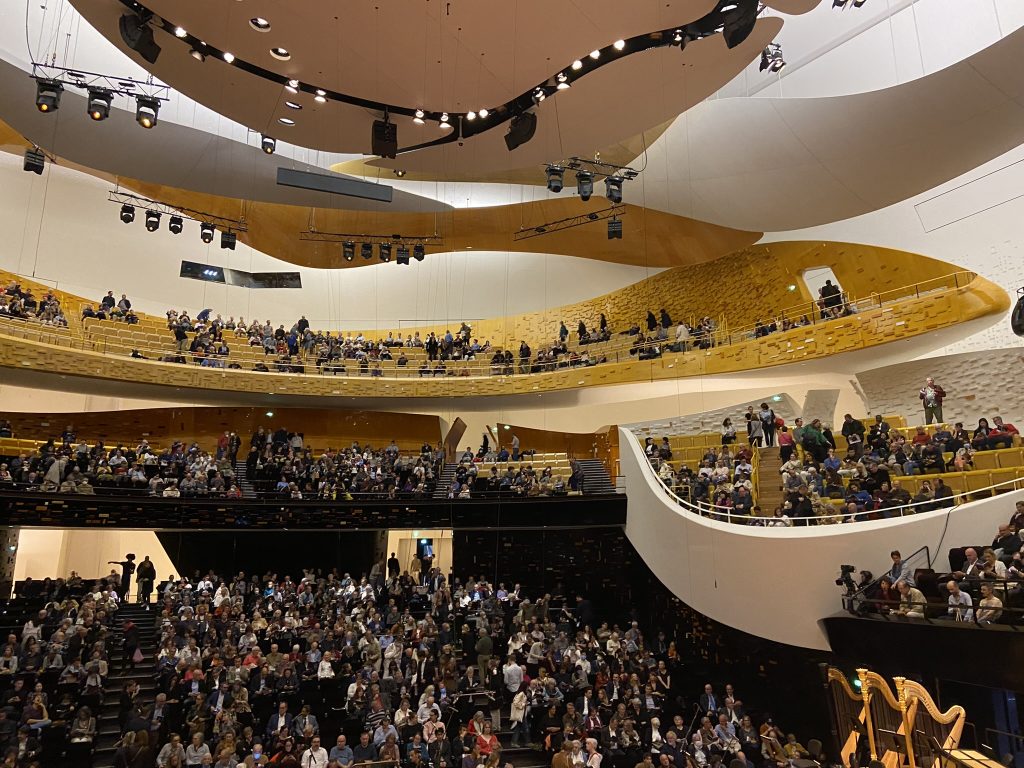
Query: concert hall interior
511, 384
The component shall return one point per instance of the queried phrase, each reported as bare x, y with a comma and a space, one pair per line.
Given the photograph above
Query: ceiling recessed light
577, 64
619, 45
595, 55
180, 32
280, 54
228, 57
259, 24
197, 55
292, 105
286, 121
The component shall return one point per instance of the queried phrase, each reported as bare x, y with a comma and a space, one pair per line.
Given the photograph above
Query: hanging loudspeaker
1017, 315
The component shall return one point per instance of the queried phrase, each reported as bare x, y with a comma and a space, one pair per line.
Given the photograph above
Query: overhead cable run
611, 214
100, 89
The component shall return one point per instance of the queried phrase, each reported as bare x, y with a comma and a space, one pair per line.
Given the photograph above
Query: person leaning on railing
912, 601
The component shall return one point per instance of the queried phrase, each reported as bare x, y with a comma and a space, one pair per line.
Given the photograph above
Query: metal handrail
720, 513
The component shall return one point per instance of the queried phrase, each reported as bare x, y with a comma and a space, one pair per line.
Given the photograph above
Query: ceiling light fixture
483, 113
321, 96
99, 103
196, 54
206, 232
292, 105
175, 224
268, 144
292, 86
259, 24
584, 184
180, 32
471, 115
384, 251
281, 54
35, 161
127, 213
618, 45
402, 254
418, 119
771, 58
146, 111
595, 55
539, 95
366, 251
418, 252
577, 65
48, 94
348, 250
614, 228
444, 121
228, 240
152, 221
228, 56
399, 172
286, 121
613, 188
555, 178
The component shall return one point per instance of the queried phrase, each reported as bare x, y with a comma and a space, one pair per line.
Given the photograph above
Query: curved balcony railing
839, 516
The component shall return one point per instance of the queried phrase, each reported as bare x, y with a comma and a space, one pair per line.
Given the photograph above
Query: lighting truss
573, 221
119, 86
145, 204
597, 168
342, 237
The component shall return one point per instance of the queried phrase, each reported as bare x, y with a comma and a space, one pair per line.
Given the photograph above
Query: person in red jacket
932, 396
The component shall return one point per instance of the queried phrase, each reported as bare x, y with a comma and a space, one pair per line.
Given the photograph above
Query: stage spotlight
402, 254
418, 252
366, 250
739, 22
771, 58
206, 232
614, 228
348, 250
520, 130
48, 95
146, 110
384, 138
556, 177
175, 224
138, 35
99, 103
35, 161
268, 144
384, 251
613, 188
127, 213
584, 184
152, 221
227, 240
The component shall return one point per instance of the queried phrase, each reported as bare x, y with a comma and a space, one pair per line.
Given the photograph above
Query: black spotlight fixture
1017, 315
584, 184
520, 130
613, 188
99, 103
228, 240
48, 95
419, 252
384, 138
348, 250
127, 213
138, 35
384, 251
146, 110
152, 221
771, 58
206, 232
402, 254
175, 224
556, 177
268, 144
614, 228
738, 21
35, 160
366, 250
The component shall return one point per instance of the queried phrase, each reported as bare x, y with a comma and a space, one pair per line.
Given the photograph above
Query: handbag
137, 657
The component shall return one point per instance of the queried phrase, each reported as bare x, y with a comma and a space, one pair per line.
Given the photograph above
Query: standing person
484, 647
767, 418
515, 447
145, 577
130, 640
932, 396
127, 569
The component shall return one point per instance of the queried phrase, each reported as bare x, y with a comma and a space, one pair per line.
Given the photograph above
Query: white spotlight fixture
180, 32
268, 144
471, 115
619, 45
281, 54
321, 96
286, 121
595, 55
228, 56
418, 119
196, 54
483, 113
577, 65
678, 37
292, 86
444, 121
146, 111
563, 81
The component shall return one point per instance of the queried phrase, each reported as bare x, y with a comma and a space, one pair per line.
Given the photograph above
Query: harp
847, 709
882, 712
932, 733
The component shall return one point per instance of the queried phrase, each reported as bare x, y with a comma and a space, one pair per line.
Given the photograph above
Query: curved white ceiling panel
773, 164
171, 154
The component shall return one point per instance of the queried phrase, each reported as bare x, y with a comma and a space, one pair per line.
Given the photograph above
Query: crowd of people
822, 484
985, 584
19, 303
332, 671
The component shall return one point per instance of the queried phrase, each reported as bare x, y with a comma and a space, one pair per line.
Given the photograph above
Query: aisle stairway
243, 482
595, 477
108, 730
444, 482
769, 484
